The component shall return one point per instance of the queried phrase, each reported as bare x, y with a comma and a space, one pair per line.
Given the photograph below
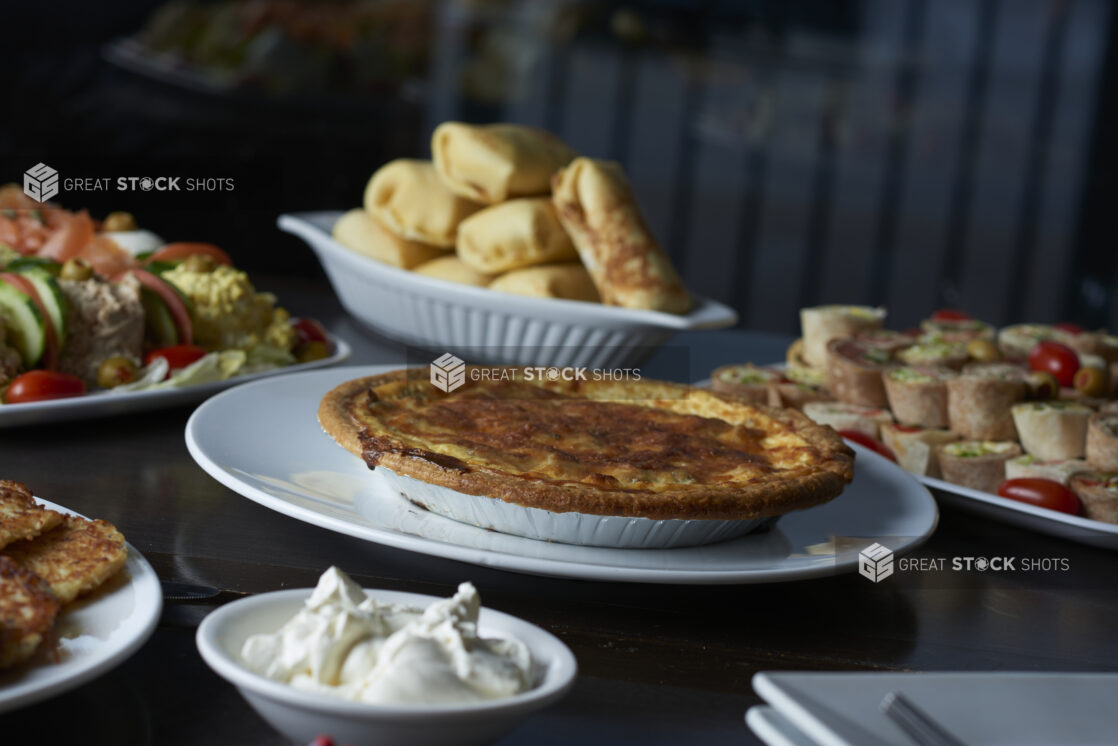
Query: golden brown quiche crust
642, 449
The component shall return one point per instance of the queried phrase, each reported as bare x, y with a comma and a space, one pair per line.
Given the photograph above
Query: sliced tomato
177, 356
40, 385
183, 249
68, 241
170, 298
23, 285
951, 314
873, 444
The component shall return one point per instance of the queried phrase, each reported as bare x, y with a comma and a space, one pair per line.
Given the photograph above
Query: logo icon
40, 182
448, 373
875, 562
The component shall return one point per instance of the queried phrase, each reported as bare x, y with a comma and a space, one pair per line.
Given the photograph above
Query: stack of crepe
47, 559
513, 208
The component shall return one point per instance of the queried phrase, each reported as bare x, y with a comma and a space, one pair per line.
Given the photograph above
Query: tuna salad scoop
105, 320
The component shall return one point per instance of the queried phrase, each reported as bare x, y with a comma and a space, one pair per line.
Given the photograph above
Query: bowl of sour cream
385, 667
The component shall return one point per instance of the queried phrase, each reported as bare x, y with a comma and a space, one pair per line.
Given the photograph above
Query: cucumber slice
26, 330
159, 325
159, 267
27, 262
53, 300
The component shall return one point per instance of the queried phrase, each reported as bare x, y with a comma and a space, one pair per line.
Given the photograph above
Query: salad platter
108, 403
101, 317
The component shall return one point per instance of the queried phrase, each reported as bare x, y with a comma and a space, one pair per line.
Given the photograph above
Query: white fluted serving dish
483, 325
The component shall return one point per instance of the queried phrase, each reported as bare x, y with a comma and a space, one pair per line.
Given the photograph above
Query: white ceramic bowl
482, 325
584, 529
301, 716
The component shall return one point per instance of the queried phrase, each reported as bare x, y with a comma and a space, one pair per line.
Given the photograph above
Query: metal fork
916, 723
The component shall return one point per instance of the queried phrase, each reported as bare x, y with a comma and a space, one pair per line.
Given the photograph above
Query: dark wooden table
659, 664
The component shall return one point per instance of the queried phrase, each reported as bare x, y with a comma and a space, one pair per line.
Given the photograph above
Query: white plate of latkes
484, 325
90, 635
264, 442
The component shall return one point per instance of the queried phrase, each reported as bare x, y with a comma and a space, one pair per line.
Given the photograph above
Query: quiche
640, 449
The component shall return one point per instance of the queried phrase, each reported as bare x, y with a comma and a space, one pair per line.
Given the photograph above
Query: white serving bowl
301, 716
482, 325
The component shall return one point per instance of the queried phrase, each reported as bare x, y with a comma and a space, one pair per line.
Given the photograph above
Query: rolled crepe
936, 353
1052, 430
1102, 441
409, 199
962, 330
1016, 341
916, 448
979, 402
494, 162
1058, 470
854, 372
821, 324
918, 396
567, 281
978, 464
797, 369
453, 269
795, 395
746, 381
1098, 493
1101, 344
360, 231
597, 207
514, 234
840, 416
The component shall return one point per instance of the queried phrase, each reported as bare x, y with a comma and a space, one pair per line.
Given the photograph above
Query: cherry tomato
309, 330
1043, 493
951, 314
322, 740
183, 249
1069, 327
1055, 358
40, 385
178, 356
873, 444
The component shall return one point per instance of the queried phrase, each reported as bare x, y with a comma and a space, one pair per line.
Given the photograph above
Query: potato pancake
20, 516
27, 611
73, 558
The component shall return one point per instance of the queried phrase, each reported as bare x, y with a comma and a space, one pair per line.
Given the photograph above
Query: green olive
76, 269
308, 351
983, 350
115, 370
200, 263
118, 221
1042, 385
1090, 381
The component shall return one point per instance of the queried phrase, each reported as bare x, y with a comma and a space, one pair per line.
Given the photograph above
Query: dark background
909, 153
